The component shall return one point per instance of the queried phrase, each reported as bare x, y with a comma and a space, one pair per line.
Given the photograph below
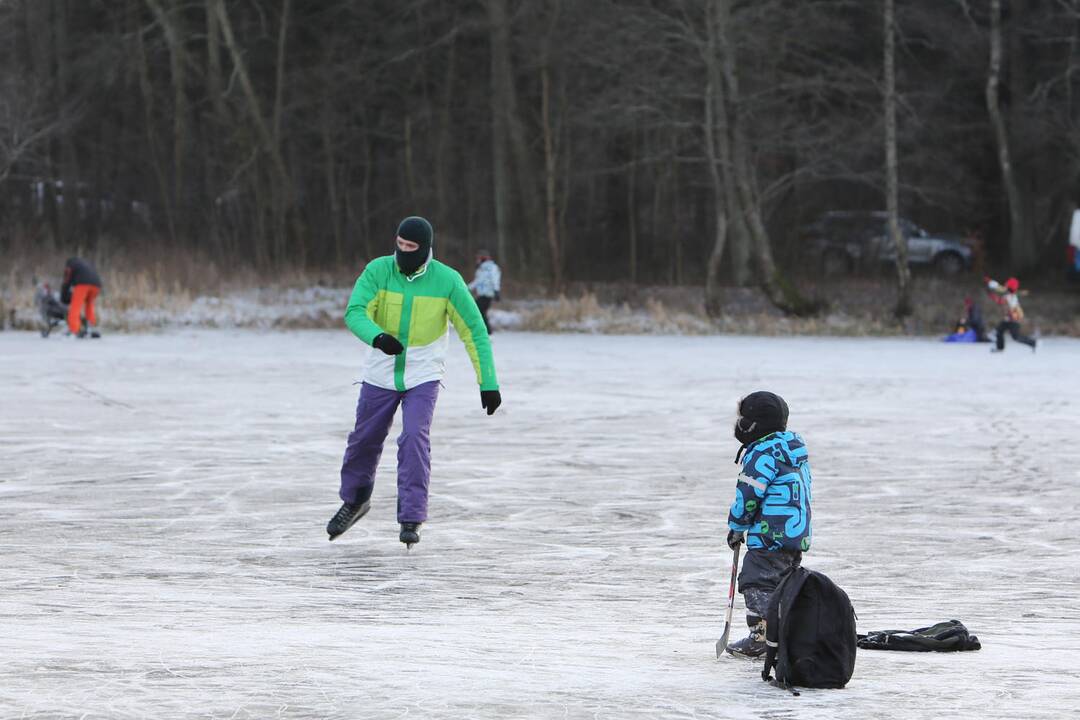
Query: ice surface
163, 499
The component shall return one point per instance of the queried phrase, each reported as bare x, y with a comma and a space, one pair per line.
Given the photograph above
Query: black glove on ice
388, 344
734, 538
490, 400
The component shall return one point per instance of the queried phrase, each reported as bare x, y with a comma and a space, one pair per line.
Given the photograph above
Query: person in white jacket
486, 283
1008, 297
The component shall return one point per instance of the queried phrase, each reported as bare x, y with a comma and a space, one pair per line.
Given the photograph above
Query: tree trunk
717, 156
147, 90
1019, 245
725, 122
632, 214
500, 131
69, 167
331, 171
213, 127
284, 207
504, 99
214, 85
266, 136
365, 190
903, 271
778, 288
443, 182
713, 303
551, 169
177, 63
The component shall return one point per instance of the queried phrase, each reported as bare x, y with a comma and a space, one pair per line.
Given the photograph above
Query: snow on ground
163, 499
253, 308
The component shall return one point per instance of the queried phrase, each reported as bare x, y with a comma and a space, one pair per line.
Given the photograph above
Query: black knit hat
418, 230
760, 413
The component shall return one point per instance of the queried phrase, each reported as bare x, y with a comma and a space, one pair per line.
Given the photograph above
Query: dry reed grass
166, 288
854, 307
146, 292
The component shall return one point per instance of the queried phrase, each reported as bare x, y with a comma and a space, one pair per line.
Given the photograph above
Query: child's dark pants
762, 571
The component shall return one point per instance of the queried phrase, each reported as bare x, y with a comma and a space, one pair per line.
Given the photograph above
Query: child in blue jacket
771, 512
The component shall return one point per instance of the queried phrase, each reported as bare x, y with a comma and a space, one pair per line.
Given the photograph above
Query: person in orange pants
82, 285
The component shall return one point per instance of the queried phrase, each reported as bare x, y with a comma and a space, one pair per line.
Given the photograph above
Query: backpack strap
770, 658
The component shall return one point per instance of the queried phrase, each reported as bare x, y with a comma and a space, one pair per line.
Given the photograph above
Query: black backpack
810, 632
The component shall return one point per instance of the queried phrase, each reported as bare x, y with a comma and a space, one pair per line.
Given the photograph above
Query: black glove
734, 538
388, 344
490, 400
497, 296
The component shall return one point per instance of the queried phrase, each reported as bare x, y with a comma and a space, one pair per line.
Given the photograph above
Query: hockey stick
721, 644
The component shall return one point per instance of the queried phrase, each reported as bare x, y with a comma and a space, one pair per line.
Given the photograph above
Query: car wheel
949, 263
835, 263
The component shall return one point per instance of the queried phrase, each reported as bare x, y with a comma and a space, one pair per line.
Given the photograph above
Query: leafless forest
680, 142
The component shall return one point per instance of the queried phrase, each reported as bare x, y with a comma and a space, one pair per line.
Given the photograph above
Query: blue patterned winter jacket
772, 497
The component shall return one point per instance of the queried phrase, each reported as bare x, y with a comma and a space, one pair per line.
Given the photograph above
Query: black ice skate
410, 534
751, 646
346, 517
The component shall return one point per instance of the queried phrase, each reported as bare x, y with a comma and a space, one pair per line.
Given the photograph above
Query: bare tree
26, 123
511, 144
172, 27
552, 134
1019, 243
502, 86
780, 290
283, 207
717, 154
903, 271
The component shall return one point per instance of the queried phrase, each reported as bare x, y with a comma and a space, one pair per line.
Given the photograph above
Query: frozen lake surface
163, 500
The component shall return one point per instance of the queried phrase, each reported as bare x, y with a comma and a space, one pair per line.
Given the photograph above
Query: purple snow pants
374, 415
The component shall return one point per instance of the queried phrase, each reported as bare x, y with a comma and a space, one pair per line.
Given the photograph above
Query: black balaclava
418, 230
760, 413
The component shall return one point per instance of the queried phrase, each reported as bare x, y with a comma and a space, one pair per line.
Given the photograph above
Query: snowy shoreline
643, 312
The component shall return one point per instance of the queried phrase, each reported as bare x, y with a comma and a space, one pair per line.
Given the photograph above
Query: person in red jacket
81, 287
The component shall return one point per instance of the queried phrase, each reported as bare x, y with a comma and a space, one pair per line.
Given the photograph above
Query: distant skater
402, 305
1008, 297
486, 284
771, 511
79, 291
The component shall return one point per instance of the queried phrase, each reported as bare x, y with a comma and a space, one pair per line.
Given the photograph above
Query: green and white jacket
416, 310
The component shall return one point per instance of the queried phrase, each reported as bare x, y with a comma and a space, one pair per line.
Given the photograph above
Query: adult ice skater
401, 306
80, 289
